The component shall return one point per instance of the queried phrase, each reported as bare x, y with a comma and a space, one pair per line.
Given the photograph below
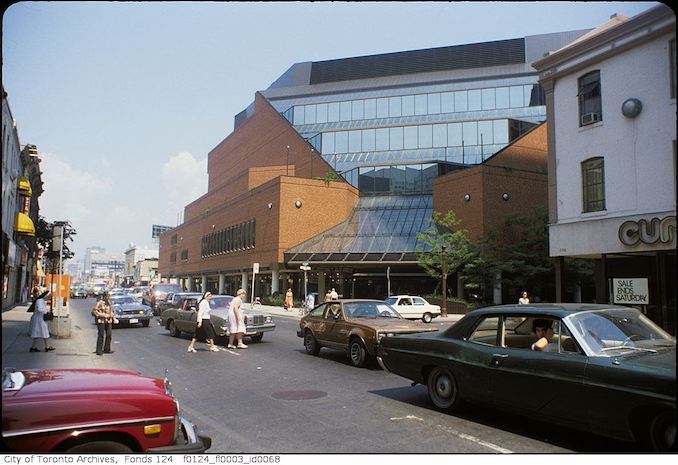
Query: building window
672, 60
590, 105
173, 240
173, 257
184, 255
593, 184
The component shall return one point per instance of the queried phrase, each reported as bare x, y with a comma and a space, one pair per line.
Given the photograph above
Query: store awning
24, 225
24, 186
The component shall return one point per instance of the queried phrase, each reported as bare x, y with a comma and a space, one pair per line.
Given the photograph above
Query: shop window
593, 184
590, 104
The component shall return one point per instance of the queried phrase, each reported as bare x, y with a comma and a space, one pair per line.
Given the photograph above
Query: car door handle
498, 360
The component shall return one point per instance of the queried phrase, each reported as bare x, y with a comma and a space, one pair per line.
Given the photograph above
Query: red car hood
51, 383
72, 398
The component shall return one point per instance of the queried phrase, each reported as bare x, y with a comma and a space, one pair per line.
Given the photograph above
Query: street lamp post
443, 261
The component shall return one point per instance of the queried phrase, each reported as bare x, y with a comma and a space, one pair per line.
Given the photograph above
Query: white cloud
184, 179
110, 212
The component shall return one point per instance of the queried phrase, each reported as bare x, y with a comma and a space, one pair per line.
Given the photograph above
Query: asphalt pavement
79, 347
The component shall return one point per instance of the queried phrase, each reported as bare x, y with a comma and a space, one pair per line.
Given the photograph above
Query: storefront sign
656, 230
630, 291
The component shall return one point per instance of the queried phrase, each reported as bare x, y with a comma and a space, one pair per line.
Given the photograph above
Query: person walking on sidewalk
37, 328
236, 321
204, 326
104, 318
289, 300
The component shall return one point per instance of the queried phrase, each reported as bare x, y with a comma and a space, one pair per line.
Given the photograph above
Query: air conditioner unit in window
590, 118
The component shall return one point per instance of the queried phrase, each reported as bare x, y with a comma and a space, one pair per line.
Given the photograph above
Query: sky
124, 100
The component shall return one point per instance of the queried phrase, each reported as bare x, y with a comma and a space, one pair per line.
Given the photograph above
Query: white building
141, 263
611, 112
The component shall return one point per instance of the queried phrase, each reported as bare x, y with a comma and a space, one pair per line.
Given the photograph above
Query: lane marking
459, 434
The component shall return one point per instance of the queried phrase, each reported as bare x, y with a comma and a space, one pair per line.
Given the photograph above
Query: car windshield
391, 300
369, 310
611, 332
123, 300
221, 302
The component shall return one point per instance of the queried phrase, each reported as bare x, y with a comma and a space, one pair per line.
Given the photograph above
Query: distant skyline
124, 101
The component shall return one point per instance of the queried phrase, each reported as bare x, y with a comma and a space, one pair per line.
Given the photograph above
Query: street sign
305, 268
255, 268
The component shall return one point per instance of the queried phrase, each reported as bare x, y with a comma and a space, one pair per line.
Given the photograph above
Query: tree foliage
44, 237
444, 231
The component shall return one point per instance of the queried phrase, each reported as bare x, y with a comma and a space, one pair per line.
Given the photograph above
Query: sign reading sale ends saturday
630, 291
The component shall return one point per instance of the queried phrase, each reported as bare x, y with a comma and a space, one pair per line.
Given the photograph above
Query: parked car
116, 291
78, 292
172, 300
139, 291
98, 289
183, 318
414, 307
141, 413
610, 370
158, 293
127, 309
355, 326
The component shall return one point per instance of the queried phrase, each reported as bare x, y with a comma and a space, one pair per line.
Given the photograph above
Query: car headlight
269, 319
117, 309
246, 320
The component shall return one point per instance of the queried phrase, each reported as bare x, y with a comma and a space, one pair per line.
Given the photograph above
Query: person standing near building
334, 294
204, 326
289, 300
524, 299
309, 303
37, 328
236, 321
104, 318
328, 296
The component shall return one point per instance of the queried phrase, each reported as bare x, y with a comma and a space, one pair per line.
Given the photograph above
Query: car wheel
257, 337
145, 323
357, 353
442, 389
662, 433
310, 343
100, 446
427, 317
173, 329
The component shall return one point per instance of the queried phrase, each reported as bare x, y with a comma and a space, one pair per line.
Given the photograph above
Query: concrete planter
452, 307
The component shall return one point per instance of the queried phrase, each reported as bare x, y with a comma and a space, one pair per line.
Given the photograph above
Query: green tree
460, 253
43, 236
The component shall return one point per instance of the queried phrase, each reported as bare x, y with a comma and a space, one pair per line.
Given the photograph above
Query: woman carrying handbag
37, 328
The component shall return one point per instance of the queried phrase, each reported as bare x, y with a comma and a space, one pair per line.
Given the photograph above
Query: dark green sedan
605, 369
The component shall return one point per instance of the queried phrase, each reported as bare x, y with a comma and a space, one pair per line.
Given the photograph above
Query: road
275, 398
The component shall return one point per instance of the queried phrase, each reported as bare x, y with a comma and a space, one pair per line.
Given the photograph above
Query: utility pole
443, 260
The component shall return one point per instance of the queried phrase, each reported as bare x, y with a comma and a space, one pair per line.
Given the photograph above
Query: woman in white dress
236, 321
37, 329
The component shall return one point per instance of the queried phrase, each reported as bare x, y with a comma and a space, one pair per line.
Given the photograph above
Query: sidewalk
76, 351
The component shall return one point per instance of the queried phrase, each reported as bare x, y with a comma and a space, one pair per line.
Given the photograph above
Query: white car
414, 308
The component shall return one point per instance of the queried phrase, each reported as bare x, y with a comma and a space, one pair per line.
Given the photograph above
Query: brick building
339, 164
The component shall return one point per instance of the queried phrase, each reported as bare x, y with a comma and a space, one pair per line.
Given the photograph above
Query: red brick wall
519, 170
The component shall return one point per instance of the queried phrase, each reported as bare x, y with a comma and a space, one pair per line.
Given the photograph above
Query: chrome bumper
188, 442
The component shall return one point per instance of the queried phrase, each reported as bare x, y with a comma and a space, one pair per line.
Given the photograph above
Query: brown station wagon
355, 326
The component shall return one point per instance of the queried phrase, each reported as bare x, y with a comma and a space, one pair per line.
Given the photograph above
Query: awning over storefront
24, 186
24, 225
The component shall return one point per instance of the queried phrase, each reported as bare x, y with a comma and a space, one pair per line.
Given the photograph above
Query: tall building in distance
333, 167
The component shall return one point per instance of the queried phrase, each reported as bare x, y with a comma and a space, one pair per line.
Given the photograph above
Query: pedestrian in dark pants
104, 317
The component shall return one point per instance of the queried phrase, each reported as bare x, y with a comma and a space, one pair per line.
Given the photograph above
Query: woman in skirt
236, 321
204, 326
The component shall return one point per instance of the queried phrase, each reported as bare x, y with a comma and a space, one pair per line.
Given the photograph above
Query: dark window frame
593, 190
590, 97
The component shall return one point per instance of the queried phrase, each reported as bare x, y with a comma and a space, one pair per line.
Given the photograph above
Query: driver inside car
542, 329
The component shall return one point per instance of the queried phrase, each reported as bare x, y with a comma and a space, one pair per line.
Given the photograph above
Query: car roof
559, 309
